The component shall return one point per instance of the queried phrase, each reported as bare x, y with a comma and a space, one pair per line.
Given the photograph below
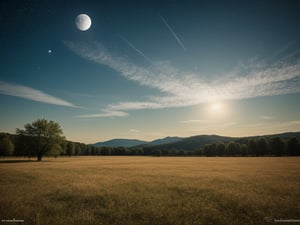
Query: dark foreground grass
151, 190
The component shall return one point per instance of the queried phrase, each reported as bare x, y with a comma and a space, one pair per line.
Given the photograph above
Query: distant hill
120, 142
195, 142
283, 135
170, 146
166, 140
191, 143
186, 144
136, 143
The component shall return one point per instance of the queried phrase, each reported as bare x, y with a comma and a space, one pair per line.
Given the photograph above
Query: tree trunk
39, 157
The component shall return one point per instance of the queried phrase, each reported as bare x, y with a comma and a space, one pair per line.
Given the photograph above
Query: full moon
83, 22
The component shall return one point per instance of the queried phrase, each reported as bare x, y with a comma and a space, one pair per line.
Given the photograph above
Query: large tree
44, 134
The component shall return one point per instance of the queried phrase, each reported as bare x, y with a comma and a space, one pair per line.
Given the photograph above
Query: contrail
170, 29
136, 49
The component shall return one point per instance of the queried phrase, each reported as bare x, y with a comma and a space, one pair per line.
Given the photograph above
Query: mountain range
134, 142
189, 143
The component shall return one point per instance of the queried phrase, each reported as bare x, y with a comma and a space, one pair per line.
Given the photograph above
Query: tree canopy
44, 135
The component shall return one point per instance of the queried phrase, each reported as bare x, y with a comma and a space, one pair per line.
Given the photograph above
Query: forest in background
210, 145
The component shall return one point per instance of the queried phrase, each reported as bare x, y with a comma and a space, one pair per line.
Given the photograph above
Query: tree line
15, 145
43, 137
274, 146
18, 145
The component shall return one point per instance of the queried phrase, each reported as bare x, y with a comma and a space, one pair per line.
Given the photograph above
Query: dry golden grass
150, 190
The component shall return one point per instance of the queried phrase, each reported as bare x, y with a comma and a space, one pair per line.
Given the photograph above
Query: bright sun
217, 107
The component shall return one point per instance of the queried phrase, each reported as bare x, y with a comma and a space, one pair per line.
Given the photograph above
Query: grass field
151, 190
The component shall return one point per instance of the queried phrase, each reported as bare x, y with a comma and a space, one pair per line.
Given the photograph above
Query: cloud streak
182, 88
172, 32
105, 113
31, 94
266, 117
195, 121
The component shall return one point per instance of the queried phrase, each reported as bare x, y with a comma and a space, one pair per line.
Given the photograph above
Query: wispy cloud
194, 121
136, 49
182, 88
173, 33
134, 131
285, 51
31, 94
266, 117
105, 113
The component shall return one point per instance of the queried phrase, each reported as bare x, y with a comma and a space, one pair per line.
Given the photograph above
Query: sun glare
217, 107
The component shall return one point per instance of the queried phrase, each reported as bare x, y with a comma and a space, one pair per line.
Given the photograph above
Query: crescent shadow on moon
83, 22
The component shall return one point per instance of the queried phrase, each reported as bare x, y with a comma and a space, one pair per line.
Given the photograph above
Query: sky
151, 69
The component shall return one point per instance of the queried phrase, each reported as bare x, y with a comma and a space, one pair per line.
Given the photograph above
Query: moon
83, 22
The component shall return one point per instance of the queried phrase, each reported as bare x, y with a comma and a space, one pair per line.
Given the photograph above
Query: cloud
134, 131
195, 121
161, 75
31, 94
134, 105
266, 117
183, 88
105, 113
286, 51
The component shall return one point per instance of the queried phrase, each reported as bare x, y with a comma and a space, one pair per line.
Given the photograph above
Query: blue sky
151, 69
